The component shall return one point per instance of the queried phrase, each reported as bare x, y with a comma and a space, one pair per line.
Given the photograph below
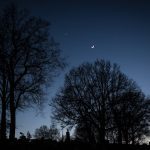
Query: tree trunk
127, 141
90, 134
12, 108
102, 135
3, 113
126, 136
3, 120
133, 139
12, 119
119, 136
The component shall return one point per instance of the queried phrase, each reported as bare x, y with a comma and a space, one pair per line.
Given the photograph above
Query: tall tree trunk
3, 120
12, 117
12, 107
133, 137
126, 136
3, 113
119, 136
102, 135
90, 133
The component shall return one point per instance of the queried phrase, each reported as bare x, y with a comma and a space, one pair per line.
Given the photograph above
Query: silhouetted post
67, 136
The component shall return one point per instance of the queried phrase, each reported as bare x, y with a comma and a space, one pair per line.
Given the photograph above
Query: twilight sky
118, 29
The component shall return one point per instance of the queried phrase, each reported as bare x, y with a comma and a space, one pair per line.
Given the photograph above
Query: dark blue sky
120, 31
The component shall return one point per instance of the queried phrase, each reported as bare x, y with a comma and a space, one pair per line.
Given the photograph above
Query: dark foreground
46, 145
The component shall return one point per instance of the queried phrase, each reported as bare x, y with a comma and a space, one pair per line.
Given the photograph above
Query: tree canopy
103, 103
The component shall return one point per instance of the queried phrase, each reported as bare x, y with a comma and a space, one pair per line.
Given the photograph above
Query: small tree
28, 135
47, 133
42, 132
54, 133
22, 136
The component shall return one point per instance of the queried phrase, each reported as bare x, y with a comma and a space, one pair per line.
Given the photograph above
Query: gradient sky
120, 31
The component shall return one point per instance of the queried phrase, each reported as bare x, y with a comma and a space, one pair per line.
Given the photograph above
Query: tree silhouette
47, 133
4, 87
29, 61
42, 132
89, 95
54, 133
28, 135
130, 114
22, 136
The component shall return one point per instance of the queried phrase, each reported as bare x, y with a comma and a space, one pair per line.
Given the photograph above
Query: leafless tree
42, 132
89, 95
47, 133
4, 85
131, 116
31, 57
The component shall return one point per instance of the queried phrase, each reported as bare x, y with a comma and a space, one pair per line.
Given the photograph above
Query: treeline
102, 103
73, 145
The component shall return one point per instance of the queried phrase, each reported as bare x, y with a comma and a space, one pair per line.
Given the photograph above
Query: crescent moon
93, 46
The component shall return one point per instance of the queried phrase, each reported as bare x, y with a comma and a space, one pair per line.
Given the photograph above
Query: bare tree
87, 97
32, 59
28, 136
131, 116
54, 133
4, 86
47, 133
42, 132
